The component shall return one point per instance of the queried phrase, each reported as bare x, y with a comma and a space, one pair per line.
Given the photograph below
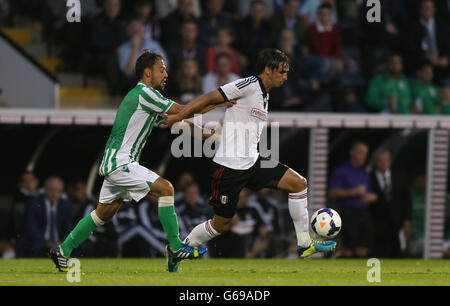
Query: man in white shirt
237, 163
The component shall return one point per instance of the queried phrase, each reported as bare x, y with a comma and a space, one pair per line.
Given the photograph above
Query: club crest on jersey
223, 199
259, 114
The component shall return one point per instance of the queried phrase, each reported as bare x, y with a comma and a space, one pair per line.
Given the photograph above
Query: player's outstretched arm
200, 105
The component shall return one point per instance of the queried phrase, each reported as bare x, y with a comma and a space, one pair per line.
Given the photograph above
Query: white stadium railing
319, 124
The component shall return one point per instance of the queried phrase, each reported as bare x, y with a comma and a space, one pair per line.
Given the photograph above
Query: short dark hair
146, 60
271, 58
358, 143
325, 5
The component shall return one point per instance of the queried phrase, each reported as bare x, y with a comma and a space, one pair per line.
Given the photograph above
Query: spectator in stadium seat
390, 212
287, 97
350, 102
188, 84
188, 47
129, 51
244, 6
47, 220
325, 43
425, 95
251, 32
211, 21
223, 45
302, 91
386, 36
191, 210
171, 26
350, 187
144, 11
445, 97
108, 29
427, 39
73, 37
309, 11
166, 7
222, 74
108, 33
389, 92
286, 17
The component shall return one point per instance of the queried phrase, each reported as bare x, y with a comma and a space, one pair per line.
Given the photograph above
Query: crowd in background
340, 61
382, 217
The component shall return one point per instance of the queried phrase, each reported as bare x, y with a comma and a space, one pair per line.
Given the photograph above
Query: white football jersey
243, 123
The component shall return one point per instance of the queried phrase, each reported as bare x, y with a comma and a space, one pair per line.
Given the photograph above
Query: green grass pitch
232, 272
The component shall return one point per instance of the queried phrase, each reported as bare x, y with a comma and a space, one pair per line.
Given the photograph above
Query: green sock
169, 221
79, 234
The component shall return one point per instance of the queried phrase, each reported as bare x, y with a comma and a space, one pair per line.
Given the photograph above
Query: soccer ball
326, 223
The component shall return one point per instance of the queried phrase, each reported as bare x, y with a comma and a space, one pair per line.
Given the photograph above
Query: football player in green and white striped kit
124, 178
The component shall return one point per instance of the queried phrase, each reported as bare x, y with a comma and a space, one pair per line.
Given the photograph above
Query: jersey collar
263, 88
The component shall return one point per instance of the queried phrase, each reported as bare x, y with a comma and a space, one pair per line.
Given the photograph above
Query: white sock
201, 234
298, 209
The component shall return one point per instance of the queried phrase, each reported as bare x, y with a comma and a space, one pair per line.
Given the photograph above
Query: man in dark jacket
427, 40
48, 219
390, 211
171, 25
286, 17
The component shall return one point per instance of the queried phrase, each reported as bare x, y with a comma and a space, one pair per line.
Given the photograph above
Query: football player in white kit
238, 166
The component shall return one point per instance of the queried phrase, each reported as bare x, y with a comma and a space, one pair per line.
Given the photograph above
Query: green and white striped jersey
137, 114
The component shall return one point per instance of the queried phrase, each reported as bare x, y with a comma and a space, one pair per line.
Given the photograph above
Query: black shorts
227, 183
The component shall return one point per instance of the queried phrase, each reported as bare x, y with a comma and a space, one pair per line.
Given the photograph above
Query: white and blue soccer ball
326, 223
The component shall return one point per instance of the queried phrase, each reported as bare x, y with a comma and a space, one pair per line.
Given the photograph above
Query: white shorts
129, 182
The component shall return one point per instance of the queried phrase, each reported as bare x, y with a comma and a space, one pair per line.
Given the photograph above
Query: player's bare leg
296, 185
